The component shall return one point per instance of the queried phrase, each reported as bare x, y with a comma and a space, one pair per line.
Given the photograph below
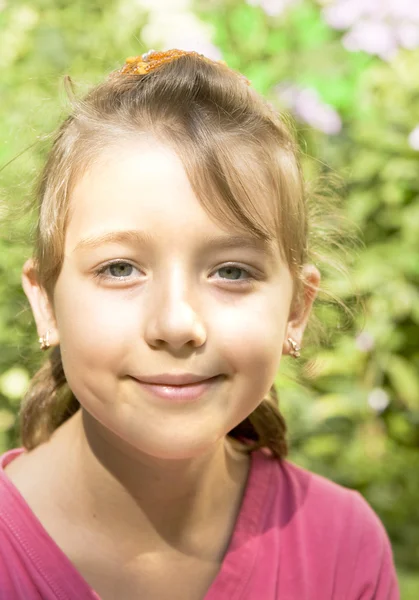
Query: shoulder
312, 499
13, 520
322, 503
296, 495
335, 530
307, 492
25, 493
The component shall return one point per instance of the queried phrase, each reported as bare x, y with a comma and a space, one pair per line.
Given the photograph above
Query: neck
175, 502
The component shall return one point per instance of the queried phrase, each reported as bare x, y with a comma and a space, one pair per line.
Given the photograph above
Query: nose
172, 316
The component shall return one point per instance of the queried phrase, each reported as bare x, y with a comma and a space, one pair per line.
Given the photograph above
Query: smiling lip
174, 378
179, 394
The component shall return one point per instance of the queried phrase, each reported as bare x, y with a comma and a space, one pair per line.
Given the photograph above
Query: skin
163, 468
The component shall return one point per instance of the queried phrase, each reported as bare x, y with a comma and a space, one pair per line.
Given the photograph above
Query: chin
160, 438
175, 446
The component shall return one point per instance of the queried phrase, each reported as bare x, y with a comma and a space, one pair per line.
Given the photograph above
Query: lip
174, 378
180, 394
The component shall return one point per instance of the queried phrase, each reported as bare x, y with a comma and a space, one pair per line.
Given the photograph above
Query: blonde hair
242, 161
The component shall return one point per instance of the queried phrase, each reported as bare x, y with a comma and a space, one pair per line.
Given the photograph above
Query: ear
298, 320
41, 306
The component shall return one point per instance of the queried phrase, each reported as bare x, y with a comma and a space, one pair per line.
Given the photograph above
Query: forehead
130, 183
140, 185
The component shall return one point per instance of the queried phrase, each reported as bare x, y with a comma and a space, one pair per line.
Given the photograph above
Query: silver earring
295, 348
44, 341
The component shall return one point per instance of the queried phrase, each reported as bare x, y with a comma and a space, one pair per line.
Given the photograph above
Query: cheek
250, 335
94, 337
92, 328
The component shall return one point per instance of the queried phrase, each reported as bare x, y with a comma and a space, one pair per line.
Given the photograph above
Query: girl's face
151, 285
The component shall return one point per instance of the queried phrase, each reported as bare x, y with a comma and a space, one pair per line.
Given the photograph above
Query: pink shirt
298, 536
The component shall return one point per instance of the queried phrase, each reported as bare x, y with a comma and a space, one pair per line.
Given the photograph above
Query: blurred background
348, 73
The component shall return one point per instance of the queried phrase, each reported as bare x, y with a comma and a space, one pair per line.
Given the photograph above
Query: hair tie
151, 60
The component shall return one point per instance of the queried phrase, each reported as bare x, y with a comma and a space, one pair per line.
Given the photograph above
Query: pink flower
374, 37
307, 106
273, 8
378, 27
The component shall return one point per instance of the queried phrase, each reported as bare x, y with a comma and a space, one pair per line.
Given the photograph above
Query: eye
116, 270
233, 272
124, 271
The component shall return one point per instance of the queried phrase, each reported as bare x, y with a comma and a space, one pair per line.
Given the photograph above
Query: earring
295, 348
44, 341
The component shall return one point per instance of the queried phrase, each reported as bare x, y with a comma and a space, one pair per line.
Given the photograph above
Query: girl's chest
152, 578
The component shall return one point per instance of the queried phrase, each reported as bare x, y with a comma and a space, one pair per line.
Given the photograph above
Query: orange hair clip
151, 60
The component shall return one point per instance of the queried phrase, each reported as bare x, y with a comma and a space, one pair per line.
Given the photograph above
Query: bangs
245, 186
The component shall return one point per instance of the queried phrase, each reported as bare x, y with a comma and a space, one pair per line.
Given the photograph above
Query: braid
265, 427
47, 403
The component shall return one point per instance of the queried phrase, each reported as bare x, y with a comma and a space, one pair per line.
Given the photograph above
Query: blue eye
117, 270
120, 270
235, 270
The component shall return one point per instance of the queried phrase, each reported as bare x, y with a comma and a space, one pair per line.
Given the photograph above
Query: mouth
175, 379
180, 393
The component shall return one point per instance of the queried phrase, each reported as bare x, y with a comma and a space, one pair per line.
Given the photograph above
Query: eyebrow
141, 238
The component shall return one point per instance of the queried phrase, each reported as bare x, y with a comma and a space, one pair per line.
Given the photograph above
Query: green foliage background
333, 429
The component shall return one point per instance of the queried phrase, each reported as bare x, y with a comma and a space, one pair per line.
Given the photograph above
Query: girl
171, 272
